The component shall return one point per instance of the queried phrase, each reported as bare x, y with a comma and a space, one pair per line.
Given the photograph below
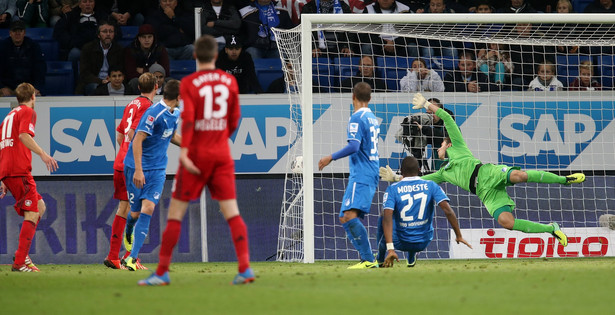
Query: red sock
115, 243
28, 229
239, 233
169, 239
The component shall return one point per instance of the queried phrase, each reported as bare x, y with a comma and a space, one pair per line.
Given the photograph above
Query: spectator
367, 74
564, 6
586, 80
386, 43
421, 79
115, 84
517, 6
600, 6
160, 74
59, 8
174, 29
432, 47
494, 61
143, 52
8, 13
21, 60
220, 19
546, 80
76, 28
466, 78
524, 57
331, 43
484, 6
98, 57
280, 85
34, 12
123, 12
236, 61
264, 14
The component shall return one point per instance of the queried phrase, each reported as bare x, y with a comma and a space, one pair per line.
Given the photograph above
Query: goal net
537, 95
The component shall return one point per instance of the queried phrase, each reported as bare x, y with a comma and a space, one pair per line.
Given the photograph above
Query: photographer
421, 129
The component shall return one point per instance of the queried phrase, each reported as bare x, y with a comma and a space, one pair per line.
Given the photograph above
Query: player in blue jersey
146, 162
408, 214
362, 149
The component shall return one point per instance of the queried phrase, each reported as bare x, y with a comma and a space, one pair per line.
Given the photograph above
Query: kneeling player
408, 214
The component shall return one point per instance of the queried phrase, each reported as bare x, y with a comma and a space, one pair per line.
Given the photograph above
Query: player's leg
505, 218
356, 202
382, 246
533, 176
119, 221
23, 189
412, 249
239, 235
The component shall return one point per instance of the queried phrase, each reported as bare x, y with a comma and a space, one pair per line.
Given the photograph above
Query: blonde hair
587, 64
567, 3
24, 92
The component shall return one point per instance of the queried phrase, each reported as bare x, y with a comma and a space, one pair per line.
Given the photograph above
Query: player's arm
452, 219
177, 139
2, 190
119, 138
350, 148
137, 151
29, 142
387, 227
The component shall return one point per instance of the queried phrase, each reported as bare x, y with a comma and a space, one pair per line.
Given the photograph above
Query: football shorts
217, 175
358, 196
23, 189
152, 190
119, 186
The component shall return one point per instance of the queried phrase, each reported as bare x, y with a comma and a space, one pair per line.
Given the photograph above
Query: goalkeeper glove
419, 101
388, 175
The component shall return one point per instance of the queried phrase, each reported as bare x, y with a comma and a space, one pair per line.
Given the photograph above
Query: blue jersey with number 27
363, 127
413, 201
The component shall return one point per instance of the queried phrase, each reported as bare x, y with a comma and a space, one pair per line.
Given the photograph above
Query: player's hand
419, 101
461, 240
138, 179
387, 174
390, 260
50, 163
324, 162
2, 190
187, 163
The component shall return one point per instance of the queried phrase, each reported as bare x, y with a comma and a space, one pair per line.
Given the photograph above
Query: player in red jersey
125, 132
210, 115
16, 147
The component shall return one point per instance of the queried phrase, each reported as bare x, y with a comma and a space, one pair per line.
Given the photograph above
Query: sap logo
249, 140
545, 135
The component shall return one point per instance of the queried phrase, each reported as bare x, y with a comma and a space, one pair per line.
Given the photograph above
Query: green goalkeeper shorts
491, 185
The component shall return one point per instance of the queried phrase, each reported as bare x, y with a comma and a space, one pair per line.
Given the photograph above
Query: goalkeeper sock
130, 224
115, 243
239, 234
141, 230
169, 240
359, 233
531, 227
544, 177
28, 229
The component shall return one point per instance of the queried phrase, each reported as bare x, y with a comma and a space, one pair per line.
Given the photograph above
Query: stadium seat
44, 37
128, 34
579, 5
181, 68
568, 67
345, 67
394, 68
267, 70
446, 63
4, 33
607, 70
323, 74
59, 80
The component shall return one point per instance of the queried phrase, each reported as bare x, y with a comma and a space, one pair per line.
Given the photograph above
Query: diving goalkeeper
487, 181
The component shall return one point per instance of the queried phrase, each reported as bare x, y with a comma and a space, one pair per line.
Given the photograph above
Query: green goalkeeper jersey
461, 162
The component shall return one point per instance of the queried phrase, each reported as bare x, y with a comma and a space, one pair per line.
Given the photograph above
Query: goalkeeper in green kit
487, 181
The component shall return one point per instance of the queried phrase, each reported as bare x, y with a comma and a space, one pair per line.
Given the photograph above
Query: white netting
510, 120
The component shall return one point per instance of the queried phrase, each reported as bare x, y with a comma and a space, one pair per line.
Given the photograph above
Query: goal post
502, 124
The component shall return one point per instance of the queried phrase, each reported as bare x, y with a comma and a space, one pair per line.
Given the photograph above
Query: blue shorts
358, 196
152, 190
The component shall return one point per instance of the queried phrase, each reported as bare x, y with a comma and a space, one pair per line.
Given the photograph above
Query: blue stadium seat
446, 63
181, 68
44, 37
323, 73
128, 35
267, 70
607, 70
579, 5
345, 67
4, 33
59, 80
568, 67
394, 68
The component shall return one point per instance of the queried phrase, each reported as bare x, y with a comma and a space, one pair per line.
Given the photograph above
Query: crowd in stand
87, 33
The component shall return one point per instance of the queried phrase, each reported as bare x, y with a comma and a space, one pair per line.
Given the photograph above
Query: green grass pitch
519, 286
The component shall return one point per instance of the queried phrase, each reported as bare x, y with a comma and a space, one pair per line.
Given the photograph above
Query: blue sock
359, 233
130, 224
141, 230
350, 236
382, 246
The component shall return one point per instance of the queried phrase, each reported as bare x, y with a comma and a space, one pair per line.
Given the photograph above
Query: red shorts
119, 185
23, 189
218, 176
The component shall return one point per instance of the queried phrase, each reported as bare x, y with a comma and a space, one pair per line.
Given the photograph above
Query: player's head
409, 166
446, 143
171, 91
205, 49
25, 92
362, 92
147, 82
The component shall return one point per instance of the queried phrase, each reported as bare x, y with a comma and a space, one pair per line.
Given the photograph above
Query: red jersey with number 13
15, 157
210, 112
130, 120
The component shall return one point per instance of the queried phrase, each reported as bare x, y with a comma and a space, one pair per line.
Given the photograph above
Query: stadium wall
81, 136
